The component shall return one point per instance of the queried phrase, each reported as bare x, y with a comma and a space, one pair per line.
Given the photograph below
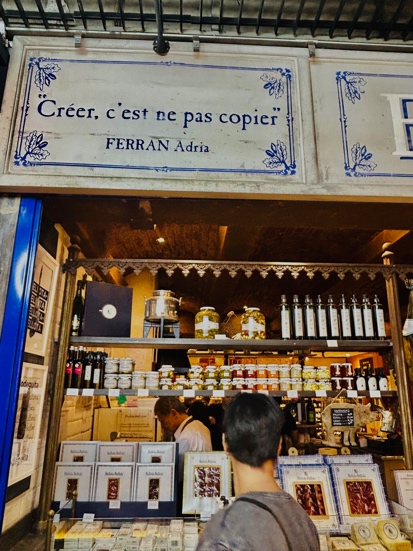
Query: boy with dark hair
263, 517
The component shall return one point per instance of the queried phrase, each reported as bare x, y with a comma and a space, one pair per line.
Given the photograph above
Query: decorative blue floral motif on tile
357, 161
46, 71
278, 152
34, 146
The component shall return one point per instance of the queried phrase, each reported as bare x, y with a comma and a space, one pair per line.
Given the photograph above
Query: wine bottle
367, 313
309, 318
310, 412
97, 376
360, 381
382, 382
69, 366
321, 318
87, 370
285, 318
371, 379
78, 369
356, 319
333, 325
345, 320
378, 318
77, 311
297, 318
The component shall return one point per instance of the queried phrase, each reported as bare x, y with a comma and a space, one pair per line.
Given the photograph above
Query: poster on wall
41, 302
28, 418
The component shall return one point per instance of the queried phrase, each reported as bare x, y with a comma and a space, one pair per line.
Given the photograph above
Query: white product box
114, 482
154, 482
117, 452
72, 477
157, 452
78, 451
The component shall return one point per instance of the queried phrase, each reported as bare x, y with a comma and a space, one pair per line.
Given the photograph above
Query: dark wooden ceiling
241, 230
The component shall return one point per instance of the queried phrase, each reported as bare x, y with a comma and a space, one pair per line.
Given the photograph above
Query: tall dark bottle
97, 372
70, 362
356, 319
77, 374
333, 324
309, 318
285, 318
345, 319
378, 318
297, 318
310, 412
87, 370
77, 311
367, 313
321, 318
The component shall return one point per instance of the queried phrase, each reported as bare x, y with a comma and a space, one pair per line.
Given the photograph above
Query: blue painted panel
14, 329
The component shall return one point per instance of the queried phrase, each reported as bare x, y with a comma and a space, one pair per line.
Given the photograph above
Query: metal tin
162, 305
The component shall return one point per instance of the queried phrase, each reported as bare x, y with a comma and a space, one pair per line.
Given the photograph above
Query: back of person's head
165, 404
252, 427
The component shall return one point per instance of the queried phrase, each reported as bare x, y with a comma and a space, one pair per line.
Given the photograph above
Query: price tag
189, 393
263, 392
88, 517
292, 393
247, 391
56, 518
143, 392
72, 392
113, 392
352, 394
88, 392
114, 504
153, 504
332, 343
375, 394
218, 393
321, 393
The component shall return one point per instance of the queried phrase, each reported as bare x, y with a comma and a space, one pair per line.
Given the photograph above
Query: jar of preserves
296, 384
262, 384
225, 372
335, 370
206, 323
309, 372
195, 372
285, 384
273, 371
284, 371
166, 372
238, 383
165, 384
310, 384
262, 372
322, 373
210, 384
112, 365
349, 383
196, 384
325, 385
152, 379
138, 379
295, 371
125, 381
210, 372
125, 365
225, 384
180, 384
347, 370
250, 371
238, 371
336, 383
110, 381
252, 324
250, 384
273, 384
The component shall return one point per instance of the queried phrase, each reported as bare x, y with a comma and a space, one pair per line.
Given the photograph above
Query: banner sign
210, 114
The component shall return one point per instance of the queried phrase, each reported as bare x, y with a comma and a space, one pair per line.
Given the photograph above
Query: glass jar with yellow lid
252, 324
206, 323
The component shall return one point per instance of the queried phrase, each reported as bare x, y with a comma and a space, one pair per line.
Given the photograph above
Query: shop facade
114, 119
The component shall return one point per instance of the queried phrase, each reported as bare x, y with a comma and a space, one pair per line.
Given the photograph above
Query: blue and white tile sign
144, 114
364, 120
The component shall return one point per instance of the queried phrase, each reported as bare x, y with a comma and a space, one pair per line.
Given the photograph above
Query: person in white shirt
190, 434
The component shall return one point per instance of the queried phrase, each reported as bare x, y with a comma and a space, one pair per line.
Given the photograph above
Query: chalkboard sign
342, 417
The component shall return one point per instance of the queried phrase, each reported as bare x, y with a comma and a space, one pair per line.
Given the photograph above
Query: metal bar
376, 14
400, 363
62, 14
278, 19
409, 29
298, 16
395, 17
142, 15
57, 394
22, 13
261, 9
201, 11
336, 18
355, 19
221, 9
317, 17
180, 16
82, 13
241, 7
121, 13
42, 13
4, 16
102, 14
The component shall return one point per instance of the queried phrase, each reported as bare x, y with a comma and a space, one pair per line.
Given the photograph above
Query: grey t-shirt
244, 526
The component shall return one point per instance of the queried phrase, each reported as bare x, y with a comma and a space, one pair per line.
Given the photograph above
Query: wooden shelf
235, 346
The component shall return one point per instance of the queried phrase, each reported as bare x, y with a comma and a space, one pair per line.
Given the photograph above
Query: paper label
375, 394
153, 504
72, 392
292, 393
332, 343
218, 393
189, 393
114, 504
113, 392
321, 393
88, 517
88, 392
352, 394
143, 392
408, 327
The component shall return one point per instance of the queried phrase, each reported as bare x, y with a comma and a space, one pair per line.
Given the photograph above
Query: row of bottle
84, 369
347, 320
